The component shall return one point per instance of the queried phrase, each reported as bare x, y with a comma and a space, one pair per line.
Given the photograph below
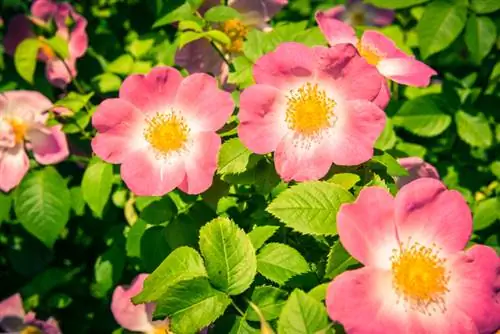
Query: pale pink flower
417, 168
356, 12
44, 12
162, 129
312, 107
23, 116
13, 319
417, 278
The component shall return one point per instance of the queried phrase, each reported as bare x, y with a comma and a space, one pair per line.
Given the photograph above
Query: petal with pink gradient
335, 31
147, 175
200, 57
49, 145
379, 17
153, 92
28, 105
60, 73
12, 307
201, 163
291, 63
262, 118
430, 214
380, 44
366, 227
336, 12
19, 29
417, 168
406, 71
206, 107
78, 41
384, 96
43, 9
265, 9
130, 316
14, 164
358, 126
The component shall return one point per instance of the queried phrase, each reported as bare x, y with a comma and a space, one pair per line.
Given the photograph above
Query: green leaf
310, 207
96, 186
395, 4
218, 36
480, 36
188, 37
259, 235
154, 247
424, 116
345, 180
184, 263
279, 262
484, 6
183, 12
391, 164
192, 305
107, 82
233, 157
338, 261
486, 213
5, 205
229, 256
302, 314
77, 201
42, 204
108, 270
74, 101
269, 300
239, 325
319, 292
474, 130
159, 211
387, 138
134, 235
59, 45
442, 22
190, 25
25, 58
121, 65
221, 14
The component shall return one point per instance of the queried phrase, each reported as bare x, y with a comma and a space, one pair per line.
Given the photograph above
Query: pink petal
120, 127
430, 214
147, 175
205, 105
12, 307
406, 71
130, 316
201, 163
18, 30
363, 301
60, 74
28, 105
262, 118
49, 145
366, 227
290, 64
199, 57
263, 8
153, 92
335, 31
358, 126
14, 164
417, 168
379, 17
336, 12
380, 44
475, 286
346, 73
43, 9
384, 96
78, 41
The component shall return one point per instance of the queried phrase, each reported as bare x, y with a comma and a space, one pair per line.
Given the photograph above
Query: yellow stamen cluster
163, 329
309, 110
19, 127
31, 330
420, 277
237, 32
167, 133
372, 57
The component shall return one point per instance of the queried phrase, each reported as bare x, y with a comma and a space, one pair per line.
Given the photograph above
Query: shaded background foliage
109, 235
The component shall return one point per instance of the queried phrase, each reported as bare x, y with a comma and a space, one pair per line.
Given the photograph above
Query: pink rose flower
43, 13
13, 319
417, 168
312, 107
162, 129
23, 115
356, 12
417, 277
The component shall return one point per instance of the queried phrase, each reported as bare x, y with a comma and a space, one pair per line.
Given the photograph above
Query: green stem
237, 308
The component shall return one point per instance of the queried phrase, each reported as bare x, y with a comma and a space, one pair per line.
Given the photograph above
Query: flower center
309, 110
237, 32
166, 132
372, 57
162, 329
31, 330
19, 128
357, 18
419, 276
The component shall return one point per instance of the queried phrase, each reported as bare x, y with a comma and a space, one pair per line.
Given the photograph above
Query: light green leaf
107, 82
412, 150
190, 25
391, 164
59, 45
345, 180
395, 4
240, 326
338, 261
480, 36
184, 263
310, 207
269, 300
192, 305
77, 201
279, 262
134, 235
183, 12
221, 14
121, 65
442, 22
259, 235
387, 138
218, 36
474, 130
486, 213
188, 37
74, 101
25, 58
484, 6
302, 314
319, 292
229, 256
96, 186
108, 270
42, 204
424, 116
233, 157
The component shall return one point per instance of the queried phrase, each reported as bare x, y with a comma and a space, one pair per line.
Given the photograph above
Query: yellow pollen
166, 132
419, 276
19, 128
309, 110
31, 330
237, 32
162, 329
372, 57
45, 48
